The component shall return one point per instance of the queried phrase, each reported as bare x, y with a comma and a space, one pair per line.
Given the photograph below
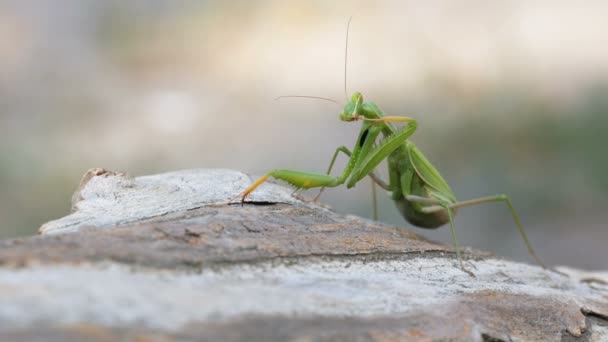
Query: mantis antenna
345, 72
346, 56
308, 97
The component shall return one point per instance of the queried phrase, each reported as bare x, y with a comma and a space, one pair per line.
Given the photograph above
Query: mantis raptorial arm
390, 119
368, 161
373, 176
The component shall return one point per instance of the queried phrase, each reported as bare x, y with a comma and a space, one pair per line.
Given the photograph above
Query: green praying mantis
420, 193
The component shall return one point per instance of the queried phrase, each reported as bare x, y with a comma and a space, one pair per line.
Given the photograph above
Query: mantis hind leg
436, 205
497, 198
456, 243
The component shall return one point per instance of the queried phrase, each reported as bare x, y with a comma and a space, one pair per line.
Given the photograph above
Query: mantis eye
357, 98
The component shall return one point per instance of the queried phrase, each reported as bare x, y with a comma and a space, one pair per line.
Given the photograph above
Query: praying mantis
419, 191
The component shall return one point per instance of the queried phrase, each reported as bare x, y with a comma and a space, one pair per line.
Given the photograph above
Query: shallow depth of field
511, 97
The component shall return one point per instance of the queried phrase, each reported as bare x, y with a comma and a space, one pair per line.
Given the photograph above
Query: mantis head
352, 109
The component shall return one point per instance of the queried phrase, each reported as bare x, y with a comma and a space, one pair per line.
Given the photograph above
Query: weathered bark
161, 256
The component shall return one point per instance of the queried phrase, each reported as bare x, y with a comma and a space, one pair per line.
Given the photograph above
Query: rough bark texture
160, 258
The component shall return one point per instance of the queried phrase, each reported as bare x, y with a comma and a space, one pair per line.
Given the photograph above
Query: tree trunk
161, 256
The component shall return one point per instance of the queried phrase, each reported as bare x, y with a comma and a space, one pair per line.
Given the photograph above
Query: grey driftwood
160, 257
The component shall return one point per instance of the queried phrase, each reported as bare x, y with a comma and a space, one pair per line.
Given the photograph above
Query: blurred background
511, 97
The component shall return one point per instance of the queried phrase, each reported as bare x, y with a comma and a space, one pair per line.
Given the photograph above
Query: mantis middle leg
362, 161
375, 180
307, 180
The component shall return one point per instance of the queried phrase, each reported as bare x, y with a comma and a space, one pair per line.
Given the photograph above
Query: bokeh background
511, 96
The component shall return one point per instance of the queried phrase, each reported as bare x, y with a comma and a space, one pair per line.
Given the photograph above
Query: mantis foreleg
370, 158
372, 175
